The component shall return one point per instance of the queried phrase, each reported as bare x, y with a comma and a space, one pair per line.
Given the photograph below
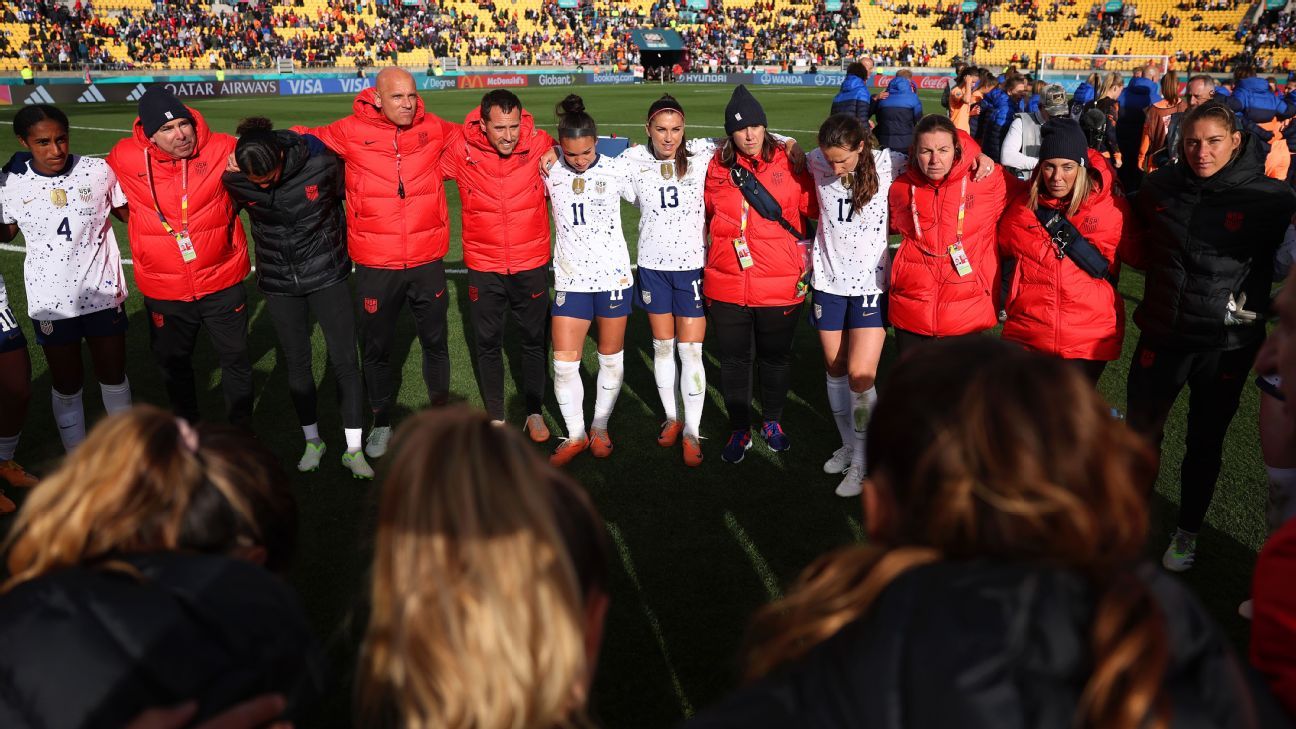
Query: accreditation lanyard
745, 260
958, 256
182, 240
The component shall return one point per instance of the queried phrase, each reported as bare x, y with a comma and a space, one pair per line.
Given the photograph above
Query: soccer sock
570, 393
116, 398
70, 416
311, 432
611, 373
353, 436
692, 385
839, 402
862, 404
8, 446
1281, 504
664, 373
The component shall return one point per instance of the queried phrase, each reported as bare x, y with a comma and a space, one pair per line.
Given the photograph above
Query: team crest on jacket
1233, 221
312, 192
371, 305
200, 168
158, 320
47, 327
1147, 358
423, 137
472, 293
778, 178
646, 296
1090, 224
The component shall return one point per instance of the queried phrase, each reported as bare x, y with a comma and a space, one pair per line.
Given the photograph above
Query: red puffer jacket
927, 296
1054, 307
217, 235
772, 280
505, 220
384, 228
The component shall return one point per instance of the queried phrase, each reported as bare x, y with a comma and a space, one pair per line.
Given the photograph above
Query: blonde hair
1084, 184
980, 466
485, 557
141, 483
1111, 81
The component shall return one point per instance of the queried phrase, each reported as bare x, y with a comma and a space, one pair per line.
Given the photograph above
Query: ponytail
573, 121
846, 131
258, 152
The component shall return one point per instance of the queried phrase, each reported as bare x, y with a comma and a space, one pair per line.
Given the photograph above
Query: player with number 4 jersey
62, 203
592, 278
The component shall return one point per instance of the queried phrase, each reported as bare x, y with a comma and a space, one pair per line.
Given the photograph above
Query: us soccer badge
600, 187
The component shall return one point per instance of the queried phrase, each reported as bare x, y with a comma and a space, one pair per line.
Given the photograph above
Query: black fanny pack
760, 199
1070, 243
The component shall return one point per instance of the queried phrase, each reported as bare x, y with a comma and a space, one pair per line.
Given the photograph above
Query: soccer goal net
1070, 69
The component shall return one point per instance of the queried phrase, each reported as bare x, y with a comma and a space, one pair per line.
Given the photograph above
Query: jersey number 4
65, 229
674, 197
578, 213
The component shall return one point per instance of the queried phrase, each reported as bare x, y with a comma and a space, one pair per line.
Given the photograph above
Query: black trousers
173, 332
332, 307
1215, 381
381, 293
490, 296
762, 333
906, 340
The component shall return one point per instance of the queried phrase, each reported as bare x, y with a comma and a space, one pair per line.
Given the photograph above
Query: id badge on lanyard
957, 254
745, 260
183, 242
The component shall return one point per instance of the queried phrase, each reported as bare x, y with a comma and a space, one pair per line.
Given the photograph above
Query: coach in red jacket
495, 161
397, 232
189, 250
1054, 306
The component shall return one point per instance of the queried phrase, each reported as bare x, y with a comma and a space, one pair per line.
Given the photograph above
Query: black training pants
1215, 381
173, 332
332, 308
764, 332
381, 292
490, 296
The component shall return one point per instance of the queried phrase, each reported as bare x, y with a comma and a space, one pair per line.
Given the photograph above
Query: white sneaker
1181, 553
357, 465
376, 443
1246, 609
310, 459
850, 484
840, 461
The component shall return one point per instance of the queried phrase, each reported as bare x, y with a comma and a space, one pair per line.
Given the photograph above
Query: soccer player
189, 250
851, 267
73, 269
592, 277
15, 395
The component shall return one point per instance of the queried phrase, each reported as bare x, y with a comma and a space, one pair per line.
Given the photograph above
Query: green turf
695, 550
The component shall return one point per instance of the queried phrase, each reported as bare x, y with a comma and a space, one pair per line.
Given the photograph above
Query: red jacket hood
476, 136
200, 128
962, 166
366, 108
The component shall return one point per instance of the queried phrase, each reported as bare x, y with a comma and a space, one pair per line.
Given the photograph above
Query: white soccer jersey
672, 213
851, 257
73, 265
590, 252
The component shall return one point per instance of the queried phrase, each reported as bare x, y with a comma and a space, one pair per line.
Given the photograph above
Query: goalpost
1070, 69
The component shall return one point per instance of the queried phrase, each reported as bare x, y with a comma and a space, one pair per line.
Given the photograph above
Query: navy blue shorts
670, 292
102, 323
833, 313
11, 336
589, 304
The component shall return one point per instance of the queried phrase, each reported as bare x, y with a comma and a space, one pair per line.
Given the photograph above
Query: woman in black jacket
1212, 224
1000, 586
292, 189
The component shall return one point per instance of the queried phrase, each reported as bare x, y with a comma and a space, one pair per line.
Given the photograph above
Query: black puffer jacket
984, 646
1204, 239
298, 225
93, 647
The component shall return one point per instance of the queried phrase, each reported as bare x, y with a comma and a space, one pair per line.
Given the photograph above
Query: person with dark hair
965, 96
1000, 583
592, 277
292, 189
1157, 124
1200, 89
495, 162
997, 109
152, 561
854, 97
1133, 103
1265, 116
1212, 224
756, 269
189, 249
851, 268
15, 397
76, 288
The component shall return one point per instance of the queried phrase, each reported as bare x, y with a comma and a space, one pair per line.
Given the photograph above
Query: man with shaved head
397, 232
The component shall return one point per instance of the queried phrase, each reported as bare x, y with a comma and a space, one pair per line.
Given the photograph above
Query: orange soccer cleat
670, 432
692, 451
536, 428
567, 450
16, 476
600, 443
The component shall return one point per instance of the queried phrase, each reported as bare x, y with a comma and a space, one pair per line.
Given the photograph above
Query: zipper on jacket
400, 194
508, 243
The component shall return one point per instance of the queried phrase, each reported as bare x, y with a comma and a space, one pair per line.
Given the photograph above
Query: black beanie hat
743, 111
157, 107
1062, 138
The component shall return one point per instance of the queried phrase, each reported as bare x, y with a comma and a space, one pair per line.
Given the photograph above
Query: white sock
610, 375
839, 402
692, 385
862, 404
116, 398
70, 417
311, 432
8, 446
664, 373
570, 393
353, 437
1281, 504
